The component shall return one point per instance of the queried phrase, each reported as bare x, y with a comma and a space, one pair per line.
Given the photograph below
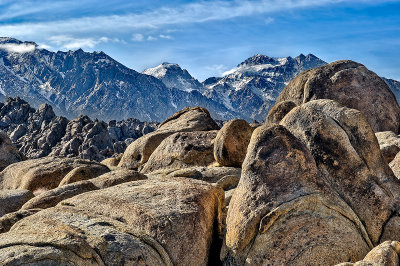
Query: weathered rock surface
186, 120
9, 219
149, 222
182, 150
278, 112
9, 153
84, 173
395, 165
282, 212
52, 197
230, 145
40, 173
352, 85
208, 174
386, 254
12, 200
347, 154
389, 143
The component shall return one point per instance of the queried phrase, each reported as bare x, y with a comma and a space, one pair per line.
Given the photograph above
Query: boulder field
316, 184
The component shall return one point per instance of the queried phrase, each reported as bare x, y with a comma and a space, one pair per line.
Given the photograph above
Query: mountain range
94, 84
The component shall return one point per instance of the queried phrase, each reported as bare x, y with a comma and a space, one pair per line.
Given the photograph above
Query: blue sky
210, 37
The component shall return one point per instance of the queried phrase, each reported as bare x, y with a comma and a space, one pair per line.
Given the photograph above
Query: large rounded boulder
149, 222
348, 157
282, 212
187, 120
352, 85
230, 145
182, 150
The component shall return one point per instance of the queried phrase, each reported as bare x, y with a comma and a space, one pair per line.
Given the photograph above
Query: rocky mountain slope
94, 84
394, 85
253, 86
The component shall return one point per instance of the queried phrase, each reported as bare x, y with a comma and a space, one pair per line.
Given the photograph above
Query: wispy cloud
217, 69
137, 37
163, 36
151, 38
71, 43
18, 48
187, 13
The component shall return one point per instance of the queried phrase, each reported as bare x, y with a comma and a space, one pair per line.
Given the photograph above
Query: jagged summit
259, 59
173, 76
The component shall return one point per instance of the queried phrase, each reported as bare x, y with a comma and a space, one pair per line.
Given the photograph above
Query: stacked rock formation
315, 185
38, 133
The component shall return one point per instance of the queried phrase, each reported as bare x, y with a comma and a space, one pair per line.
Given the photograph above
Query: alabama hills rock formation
38, 133
317, 184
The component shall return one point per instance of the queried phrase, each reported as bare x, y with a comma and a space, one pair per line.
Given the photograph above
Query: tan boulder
352, 85
187, 120
389, 143
278, 112
84, 173
149, 222
347, 154
182, 150
52, 197
12, 200
282, 213
386, 254
9, 153
112, 162
8, 220
230, 145
208, 174
40, 173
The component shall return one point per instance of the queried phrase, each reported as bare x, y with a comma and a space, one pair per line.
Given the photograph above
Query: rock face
44, 173
230, 145
186, 120
182, 150
134, 223
389, 143
12, 200
281, 201
9, 153
347, 154
352, 85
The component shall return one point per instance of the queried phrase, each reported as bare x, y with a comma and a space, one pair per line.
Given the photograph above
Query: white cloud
72, 43
168, 37
137, 37
18, 48
217, 70
151, 38
45, 46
